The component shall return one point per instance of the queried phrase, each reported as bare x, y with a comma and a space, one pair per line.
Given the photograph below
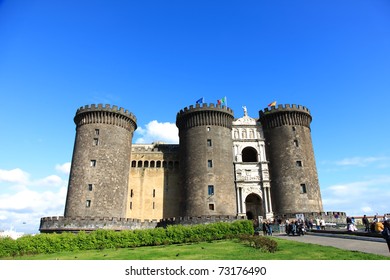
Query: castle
223, 168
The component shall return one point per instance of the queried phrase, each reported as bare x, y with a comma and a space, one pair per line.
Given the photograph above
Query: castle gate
254, 207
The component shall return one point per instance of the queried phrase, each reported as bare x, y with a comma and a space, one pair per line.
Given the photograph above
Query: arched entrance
253, 206
249, 154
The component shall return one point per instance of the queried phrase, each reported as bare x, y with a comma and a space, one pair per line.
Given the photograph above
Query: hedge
46, 243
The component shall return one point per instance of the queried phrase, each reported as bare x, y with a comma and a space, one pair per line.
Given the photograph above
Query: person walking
386, 233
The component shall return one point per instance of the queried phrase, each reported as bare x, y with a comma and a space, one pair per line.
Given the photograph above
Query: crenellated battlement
285, 107
155, 148
205, 115
199, 107
106, 107
106, 114
285, 115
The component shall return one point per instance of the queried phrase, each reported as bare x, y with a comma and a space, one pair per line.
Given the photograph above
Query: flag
200, 100
272, 104
222, 101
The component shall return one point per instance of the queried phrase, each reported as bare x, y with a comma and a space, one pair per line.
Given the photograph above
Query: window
158, 164
211, 207
97, 131
131, 205
209, 163
293, 128
88, 203
208, 128
146, 163
90, 187
303, 188
210, 190
209, 144
96, 141
133, 163
140, 163
152, 164
93, 163
154, 205
131, 193
298, 163
296, 143
154, 193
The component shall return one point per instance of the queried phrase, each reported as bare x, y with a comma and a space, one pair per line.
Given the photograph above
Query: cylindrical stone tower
293, 173
99, 176
206, 160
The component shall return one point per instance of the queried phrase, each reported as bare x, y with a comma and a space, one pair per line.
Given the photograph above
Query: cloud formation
24, 201
361, 161
360, 197
155, 131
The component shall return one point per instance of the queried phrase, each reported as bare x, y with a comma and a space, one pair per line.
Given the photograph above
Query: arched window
133, 163
249, 154
146, 163
140, 163
152, 164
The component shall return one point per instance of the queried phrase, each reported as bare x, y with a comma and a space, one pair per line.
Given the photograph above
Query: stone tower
206, 156
99, 176
293, 172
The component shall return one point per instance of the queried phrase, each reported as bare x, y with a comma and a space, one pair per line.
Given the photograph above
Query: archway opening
249, 154
254, 207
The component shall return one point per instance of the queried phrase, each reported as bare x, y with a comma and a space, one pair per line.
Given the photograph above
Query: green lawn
216, 250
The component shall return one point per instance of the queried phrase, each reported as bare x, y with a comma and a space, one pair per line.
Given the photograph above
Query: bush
262, 243
101, 239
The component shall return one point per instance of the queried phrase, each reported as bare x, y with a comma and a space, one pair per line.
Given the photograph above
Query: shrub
101, 239
262, 243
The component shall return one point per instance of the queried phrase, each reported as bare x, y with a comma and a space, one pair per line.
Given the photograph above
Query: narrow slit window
88, 203
95, 141
209, 163
210, 190
97, 132
90, 187
209, 143
93, 163
303, 188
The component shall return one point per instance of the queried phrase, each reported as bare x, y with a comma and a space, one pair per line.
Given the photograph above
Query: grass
216, 250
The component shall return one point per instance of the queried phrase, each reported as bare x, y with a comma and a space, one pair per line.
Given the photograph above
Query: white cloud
155, 131
24, 203
63, 168
357, 198
14, 176
360, 161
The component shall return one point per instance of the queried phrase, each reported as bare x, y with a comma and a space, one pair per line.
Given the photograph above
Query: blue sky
156, 57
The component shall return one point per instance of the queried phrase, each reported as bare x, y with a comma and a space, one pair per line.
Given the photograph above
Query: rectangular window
154, 193
208, 128
209, 163
90, 187
96, 141
154, 205
97, 131
209, 144
303, 188
88, 203
296, 143
93, 163
131, 193
211, 207
131, 205
210, 190
298, 163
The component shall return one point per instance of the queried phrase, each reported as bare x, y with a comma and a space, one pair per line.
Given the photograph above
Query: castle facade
223, 168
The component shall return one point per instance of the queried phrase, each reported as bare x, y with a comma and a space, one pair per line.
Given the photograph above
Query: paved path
363, 244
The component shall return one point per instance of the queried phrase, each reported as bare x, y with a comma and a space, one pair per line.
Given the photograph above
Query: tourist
386, 233
322, 224
366, 223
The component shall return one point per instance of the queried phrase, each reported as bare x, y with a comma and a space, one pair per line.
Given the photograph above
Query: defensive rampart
75, 224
